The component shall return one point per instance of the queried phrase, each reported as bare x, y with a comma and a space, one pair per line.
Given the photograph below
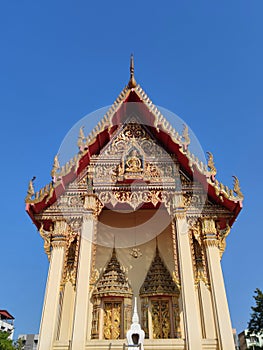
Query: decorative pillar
82, 303
192, 324
223, 322
49, 319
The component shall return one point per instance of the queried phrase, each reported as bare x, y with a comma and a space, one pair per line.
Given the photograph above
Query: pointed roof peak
113, 254
158, 280
132, 82
113, 280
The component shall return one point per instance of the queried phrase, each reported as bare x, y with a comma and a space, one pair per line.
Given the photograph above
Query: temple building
135, 215
7, 323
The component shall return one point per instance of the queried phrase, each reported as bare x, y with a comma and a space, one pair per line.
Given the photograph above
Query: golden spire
81, 138
211, 164
132, 83
237, 189
30, 190
186, 135
55, 167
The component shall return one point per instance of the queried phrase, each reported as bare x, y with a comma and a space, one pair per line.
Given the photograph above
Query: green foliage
255, 324
19, 345
5, 343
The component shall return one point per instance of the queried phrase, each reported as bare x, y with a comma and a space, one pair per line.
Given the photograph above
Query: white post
49, 319
223, 322
191, 314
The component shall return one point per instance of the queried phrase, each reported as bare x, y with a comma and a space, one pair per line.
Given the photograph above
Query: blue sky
62, 60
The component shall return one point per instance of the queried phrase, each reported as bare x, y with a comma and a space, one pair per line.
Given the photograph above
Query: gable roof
133, 99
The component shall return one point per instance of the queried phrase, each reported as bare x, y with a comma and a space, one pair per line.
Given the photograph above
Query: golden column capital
59, 234
179, 214
178, 201
93, 206
209, 232
176, 207
208, 226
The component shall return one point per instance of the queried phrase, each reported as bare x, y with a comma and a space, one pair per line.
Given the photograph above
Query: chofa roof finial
237, 189
30, 190
132, 82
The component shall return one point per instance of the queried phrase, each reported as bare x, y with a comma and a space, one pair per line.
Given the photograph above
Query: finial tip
132, 63
132, 82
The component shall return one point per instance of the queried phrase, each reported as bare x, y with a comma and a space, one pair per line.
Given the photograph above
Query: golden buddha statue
133, 163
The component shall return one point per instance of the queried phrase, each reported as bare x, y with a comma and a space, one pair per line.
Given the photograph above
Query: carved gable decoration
158, 280
130, 133
113, 281
133, 154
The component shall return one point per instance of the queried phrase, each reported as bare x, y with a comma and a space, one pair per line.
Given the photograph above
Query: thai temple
134, 227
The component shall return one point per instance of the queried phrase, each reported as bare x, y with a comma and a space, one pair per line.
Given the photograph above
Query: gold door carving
112, 320
161, 319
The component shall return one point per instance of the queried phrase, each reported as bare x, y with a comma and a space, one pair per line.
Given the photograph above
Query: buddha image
133, 162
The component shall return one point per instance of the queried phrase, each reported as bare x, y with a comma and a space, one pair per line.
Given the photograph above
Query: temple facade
134, 214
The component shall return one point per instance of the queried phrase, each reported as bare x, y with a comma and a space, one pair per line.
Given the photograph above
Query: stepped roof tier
158, 280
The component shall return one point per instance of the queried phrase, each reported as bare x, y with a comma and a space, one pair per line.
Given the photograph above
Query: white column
49, 319
192, 323
67, 313
223, 322
207, 313
82, 303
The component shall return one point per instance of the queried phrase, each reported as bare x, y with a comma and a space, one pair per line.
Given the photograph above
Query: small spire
30, 190
156, 246
135, 317
237, 189
186, 137
55, 167
132, 82
211, 164
81, 138
114, 249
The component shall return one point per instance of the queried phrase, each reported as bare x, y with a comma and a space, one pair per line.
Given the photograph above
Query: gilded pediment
133, 154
